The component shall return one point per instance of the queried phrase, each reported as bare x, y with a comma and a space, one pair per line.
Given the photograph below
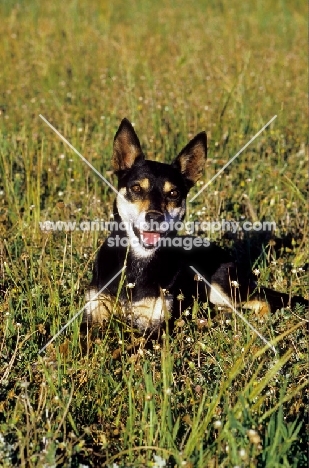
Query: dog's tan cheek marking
131, 208
142, 205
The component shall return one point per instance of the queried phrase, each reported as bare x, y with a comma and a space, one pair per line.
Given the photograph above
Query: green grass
203, 397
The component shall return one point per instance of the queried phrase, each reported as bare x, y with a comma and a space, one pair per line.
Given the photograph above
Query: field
210, 393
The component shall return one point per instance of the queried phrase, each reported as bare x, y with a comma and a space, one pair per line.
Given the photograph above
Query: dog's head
152, 194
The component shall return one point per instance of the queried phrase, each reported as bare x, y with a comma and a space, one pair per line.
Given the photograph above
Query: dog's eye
173, 194
136, 188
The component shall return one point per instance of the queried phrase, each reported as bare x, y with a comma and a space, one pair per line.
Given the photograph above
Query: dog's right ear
127, 148
191, 160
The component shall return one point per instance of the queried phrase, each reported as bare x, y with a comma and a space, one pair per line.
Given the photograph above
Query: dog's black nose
154, 216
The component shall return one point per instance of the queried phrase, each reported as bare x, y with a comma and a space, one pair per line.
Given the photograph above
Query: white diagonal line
80, 311
234, 157
80, 155
236, 311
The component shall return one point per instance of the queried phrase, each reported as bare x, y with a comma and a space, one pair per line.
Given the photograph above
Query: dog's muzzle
152, 229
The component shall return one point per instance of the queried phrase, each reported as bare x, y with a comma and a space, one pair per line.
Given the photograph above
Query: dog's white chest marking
147, 313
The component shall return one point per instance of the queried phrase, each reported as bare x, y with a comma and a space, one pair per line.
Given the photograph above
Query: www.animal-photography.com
153, 234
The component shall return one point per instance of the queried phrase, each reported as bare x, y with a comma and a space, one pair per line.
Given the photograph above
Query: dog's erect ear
127, 147
191, 160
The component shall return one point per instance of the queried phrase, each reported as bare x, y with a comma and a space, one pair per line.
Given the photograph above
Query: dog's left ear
191, 160
127, 148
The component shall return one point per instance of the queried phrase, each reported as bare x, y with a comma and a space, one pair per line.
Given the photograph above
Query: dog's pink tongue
150, 238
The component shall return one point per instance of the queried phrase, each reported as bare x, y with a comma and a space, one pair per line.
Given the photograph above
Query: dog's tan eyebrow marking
168, 186
144, 183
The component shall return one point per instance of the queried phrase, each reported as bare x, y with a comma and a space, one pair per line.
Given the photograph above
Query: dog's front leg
98, 308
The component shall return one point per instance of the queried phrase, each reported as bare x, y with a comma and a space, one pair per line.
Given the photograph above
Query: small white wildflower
217, 424
60, 193
61, 156
198, 278
202, 346
253, 436
131, 285
242, 453
24, 384
159, 462
294, 270
235, 284
168, 391
256, 271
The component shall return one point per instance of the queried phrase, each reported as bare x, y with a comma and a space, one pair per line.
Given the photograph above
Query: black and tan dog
150, 202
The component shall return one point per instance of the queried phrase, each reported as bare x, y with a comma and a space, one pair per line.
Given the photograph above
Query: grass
210, 394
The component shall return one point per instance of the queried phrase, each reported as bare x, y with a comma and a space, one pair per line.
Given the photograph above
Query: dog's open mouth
150, 239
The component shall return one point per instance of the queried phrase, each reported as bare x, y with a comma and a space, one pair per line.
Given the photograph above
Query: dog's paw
98, 307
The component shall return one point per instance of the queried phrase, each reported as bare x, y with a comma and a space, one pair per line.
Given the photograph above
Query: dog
158, 281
